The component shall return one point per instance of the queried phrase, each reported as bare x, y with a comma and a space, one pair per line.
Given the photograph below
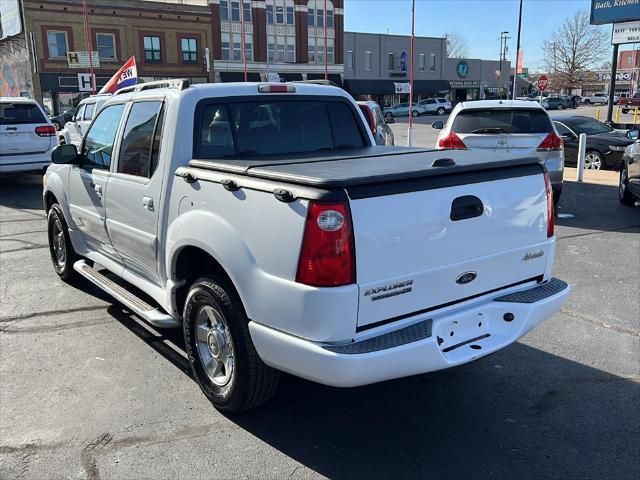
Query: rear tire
593, 160
625, 111
440, 111
62, 253
624, 195
415, 113
221, 354
560, 107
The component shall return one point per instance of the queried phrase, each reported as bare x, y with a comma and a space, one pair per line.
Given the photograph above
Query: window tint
502, 121
19, 113
562, 130
586, 125
79, 113
275, 127
98, 143
139, 140
346, 133
88, 111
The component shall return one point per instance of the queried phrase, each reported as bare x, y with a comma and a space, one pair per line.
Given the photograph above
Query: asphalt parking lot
88, 391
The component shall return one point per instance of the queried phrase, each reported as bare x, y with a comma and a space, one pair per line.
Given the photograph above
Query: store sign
402, 87
613, 11
84, 82
620, 77
464, 83
403, 61
628, 32
10, 21
462, 69
81, 59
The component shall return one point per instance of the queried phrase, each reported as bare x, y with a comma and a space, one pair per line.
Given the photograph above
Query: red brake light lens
551, 143
551, 223
277, 88
452, 141
47, 131
327, 256
371, 120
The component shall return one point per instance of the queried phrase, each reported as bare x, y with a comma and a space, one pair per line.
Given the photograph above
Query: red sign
543, 83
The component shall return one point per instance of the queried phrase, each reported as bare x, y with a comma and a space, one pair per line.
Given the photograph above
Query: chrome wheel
592, 161
214, 345
58, 242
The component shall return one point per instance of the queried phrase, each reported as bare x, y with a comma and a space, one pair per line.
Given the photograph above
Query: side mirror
438, 125
65, 155
633, 134
389, 120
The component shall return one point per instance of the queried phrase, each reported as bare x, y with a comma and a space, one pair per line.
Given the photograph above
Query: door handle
98, 189
467, 206
147, 202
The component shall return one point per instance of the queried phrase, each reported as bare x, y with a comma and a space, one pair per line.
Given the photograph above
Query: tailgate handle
467, 206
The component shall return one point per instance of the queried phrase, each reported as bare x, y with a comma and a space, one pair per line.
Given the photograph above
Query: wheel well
193, 263
49, 200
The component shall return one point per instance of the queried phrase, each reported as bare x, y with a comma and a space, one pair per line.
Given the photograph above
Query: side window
88, 111
140, 145
346, 133
98, 143
562, 130
79, 114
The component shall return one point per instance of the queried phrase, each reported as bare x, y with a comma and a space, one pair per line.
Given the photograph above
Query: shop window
392, 58
269, 14
106, 46
237, 51
226, 51
246, 11
279, 14
290, 17
271, 51
291, 52
235, 11
152, 52
432, 63
349, 60
189, 50
368, 56
311, 51
248, 49
224, 9
311, 17
329, 18
58, 44
422, 62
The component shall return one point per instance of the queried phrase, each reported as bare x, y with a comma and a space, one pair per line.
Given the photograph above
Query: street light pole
515, 72
410, 132
503, 45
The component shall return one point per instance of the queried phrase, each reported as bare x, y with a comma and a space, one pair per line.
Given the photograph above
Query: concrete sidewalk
599, 177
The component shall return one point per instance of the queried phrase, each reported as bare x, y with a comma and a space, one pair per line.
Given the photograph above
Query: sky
480, 21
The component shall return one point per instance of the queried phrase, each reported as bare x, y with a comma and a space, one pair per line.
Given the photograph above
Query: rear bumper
429, 344
25, 163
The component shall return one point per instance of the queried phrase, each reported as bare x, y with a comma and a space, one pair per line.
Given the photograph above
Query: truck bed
372, 165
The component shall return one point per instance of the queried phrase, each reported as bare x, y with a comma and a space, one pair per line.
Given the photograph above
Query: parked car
297, 246
382, 133
402, 110
438, 106
629, 103
507, 129
75, 129
604, 144
27, 137
596, 99
629, 187
556, 103
59, 121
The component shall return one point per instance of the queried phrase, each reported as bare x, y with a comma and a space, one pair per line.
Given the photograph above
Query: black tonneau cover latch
443, 162
230, 185
284, 195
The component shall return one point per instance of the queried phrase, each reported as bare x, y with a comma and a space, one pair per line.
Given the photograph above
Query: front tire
625, 197
221, 354
62, 253
625, 111
415, 113
593, 160
441, 111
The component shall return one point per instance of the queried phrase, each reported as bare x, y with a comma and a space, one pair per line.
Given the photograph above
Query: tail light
47, 131
371, 120
452, 141
550, 211
327, 256
551, 143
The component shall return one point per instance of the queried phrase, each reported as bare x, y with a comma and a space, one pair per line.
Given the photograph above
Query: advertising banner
613, 11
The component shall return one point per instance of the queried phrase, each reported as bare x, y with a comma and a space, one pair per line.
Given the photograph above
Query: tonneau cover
358, 167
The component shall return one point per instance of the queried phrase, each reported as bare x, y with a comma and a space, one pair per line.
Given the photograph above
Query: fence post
582, 149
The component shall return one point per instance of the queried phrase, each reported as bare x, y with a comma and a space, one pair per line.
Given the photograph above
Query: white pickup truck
262, 219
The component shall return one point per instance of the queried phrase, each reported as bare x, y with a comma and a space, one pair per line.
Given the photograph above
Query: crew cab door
135, 189
88, 181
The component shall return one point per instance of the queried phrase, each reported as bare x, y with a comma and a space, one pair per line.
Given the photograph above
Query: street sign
81, 59
523, 75
628, 32
84, 82
543, 83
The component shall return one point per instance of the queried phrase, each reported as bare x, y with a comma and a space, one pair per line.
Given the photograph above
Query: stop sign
543, 83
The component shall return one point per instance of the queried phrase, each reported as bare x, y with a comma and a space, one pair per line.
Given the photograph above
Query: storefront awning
387, 87
239, 77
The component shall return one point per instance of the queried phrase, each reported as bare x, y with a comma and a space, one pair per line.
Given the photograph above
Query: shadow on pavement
595, 207
21, 191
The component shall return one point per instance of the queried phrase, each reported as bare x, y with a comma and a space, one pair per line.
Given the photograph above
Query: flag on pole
126, 76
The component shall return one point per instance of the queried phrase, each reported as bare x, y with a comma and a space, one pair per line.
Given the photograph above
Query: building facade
376, 66
201, 40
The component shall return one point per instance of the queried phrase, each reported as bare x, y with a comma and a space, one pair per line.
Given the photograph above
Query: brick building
196, 39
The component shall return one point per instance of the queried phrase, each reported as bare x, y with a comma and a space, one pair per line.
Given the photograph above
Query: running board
138, 306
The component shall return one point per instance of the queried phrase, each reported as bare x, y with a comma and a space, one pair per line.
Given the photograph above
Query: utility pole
88, 43
515, 72
503, 49
413, 31
612, 84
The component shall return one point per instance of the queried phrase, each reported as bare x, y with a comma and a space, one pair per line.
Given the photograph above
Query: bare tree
573, 49
457, 45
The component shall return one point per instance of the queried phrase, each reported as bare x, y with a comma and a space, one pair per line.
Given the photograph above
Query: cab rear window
275, 127
502, 121
20, 113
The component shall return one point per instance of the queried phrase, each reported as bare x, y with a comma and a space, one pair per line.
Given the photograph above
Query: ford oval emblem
466, 277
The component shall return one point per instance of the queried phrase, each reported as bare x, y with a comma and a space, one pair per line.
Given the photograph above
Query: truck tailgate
444, 241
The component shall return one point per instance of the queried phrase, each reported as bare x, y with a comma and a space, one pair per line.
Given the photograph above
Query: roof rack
175, 84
